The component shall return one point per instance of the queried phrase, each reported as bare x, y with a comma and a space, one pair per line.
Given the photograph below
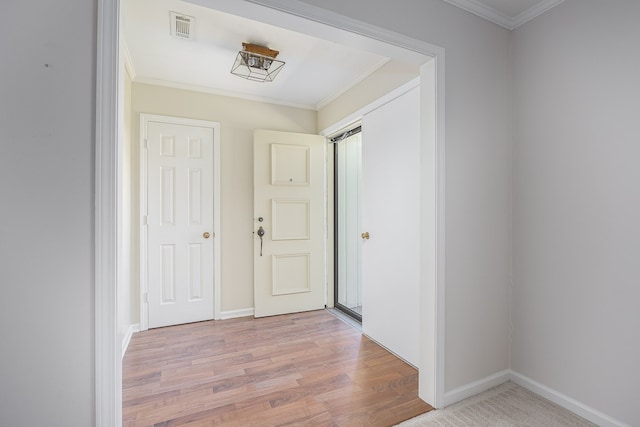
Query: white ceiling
508, 13
316, 70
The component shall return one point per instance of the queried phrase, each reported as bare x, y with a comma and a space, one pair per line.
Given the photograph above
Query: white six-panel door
289, 205
180, 223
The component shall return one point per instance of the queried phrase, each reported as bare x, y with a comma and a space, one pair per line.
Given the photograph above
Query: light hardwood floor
298, 369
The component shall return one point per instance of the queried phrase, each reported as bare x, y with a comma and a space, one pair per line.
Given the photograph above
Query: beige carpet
505, 405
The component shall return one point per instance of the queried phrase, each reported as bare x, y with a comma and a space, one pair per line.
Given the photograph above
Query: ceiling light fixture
257, 63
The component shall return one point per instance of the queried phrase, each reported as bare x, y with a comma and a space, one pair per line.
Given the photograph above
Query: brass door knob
206, 235
365, 235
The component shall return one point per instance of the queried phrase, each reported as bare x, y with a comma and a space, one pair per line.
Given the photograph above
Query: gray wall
576, 292
46, 216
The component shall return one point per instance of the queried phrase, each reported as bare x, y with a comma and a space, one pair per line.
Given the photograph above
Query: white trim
220, 92
127, 337
567, 402
108, 363
234, 314
357, 115
490, 14
440, 222
144, 282
471, 389
217, 225
142, 225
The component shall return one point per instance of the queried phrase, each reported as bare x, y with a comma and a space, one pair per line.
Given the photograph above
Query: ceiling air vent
182, 26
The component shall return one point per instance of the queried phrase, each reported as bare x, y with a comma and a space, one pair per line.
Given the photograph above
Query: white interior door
289, 207
180, 223
391, 216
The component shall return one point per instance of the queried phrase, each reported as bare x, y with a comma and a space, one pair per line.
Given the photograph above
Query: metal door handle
206, 234
365, 235
261, 233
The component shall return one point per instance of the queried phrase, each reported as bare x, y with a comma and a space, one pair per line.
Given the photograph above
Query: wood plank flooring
292, 370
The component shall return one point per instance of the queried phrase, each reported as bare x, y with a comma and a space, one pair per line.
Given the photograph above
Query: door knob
365, 235
206, 235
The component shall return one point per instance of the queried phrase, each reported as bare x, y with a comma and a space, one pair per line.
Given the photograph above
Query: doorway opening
347, 183
308, 19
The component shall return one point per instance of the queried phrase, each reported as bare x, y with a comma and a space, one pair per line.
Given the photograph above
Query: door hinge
145, 220
146, 297
146, 143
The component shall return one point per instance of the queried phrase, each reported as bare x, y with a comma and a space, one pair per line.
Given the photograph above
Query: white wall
46, 213
478, 173
576, 290
238, 118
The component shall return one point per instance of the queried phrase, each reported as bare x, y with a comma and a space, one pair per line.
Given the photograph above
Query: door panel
291, 219
291, 274
391, 215
180, 213
289, 205
290, 164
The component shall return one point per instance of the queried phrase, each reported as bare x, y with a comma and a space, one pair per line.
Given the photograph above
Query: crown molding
483, 11
536, 10
220, 92
497, 17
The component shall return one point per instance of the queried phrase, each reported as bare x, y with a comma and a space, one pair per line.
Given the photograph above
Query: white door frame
144, 262
108, 363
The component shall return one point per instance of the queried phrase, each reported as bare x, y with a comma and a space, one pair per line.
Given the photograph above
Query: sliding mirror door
348, 242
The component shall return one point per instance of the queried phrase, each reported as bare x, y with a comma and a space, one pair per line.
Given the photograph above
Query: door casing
144, 282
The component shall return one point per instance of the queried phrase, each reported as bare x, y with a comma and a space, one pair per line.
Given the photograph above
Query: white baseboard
471, 389
567, 402
127, 338
232, 314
